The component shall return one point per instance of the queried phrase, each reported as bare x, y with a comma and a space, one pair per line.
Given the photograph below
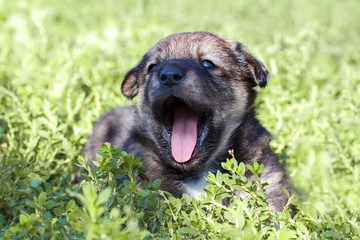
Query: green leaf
47, 216
42, 198
88, 191
156, 183
101, 155
285, 191
23, 220
219, 177
63, 222
52, 204
331, 234
111, 201
70, 206
256, 166
228, 216
15, 229
30, 203
81, 160
250, 168
58, 211
286, 234
264, 218
310, 211
32, 145
21, 190
301, 227
104, 196
35, 182
261, 169
187, 230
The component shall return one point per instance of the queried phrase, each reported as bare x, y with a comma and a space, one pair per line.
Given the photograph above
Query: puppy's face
193, 91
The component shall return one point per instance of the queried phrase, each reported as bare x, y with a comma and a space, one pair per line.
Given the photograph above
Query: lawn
61, 67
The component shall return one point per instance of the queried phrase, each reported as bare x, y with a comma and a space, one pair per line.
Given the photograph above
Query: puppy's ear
258, 71
130, 85
134, 79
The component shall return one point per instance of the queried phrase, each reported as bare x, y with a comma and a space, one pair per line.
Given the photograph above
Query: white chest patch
195, 187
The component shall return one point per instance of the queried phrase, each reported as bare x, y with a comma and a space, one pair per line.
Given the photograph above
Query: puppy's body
195, 96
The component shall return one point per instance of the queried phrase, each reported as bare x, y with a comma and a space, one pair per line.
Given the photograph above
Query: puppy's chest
194, 186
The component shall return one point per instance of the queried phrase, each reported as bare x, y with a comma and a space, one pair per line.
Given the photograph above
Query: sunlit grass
62, 63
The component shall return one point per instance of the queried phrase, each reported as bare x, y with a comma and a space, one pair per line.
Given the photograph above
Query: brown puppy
195, 96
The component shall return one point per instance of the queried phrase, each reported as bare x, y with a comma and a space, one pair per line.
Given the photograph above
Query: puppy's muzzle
171, 76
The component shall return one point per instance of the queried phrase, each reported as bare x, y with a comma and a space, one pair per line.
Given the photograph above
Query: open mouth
185, 128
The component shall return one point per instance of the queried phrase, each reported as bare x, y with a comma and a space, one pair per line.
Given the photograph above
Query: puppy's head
193, 91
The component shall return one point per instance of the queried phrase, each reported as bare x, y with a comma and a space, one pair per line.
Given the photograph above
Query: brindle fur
225, 93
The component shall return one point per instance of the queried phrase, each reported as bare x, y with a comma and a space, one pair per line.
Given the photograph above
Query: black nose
170, 76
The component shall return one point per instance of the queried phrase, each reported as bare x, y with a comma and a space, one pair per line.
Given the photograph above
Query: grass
62, 63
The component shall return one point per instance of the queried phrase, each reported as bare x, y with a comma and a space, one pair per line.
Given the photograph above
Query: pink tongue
184, 134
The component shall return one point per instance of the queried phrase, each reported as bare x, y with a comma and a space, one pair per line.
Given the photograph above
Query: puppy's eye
151, 67
208, 64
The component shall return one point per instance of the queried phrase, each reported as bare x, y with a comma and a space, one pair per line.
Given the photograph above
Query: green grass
61, 67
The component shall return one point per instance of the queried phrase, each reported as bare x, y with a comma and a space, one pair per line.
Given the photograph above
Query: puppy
194, 103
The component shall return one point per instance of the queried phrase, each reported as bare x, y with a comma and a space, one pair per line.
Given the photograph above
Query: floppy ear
130, 85
134, 79
258, 71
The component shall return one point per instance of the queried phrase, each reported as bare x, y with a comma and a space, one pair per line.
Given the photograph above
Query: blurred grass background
62, 64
